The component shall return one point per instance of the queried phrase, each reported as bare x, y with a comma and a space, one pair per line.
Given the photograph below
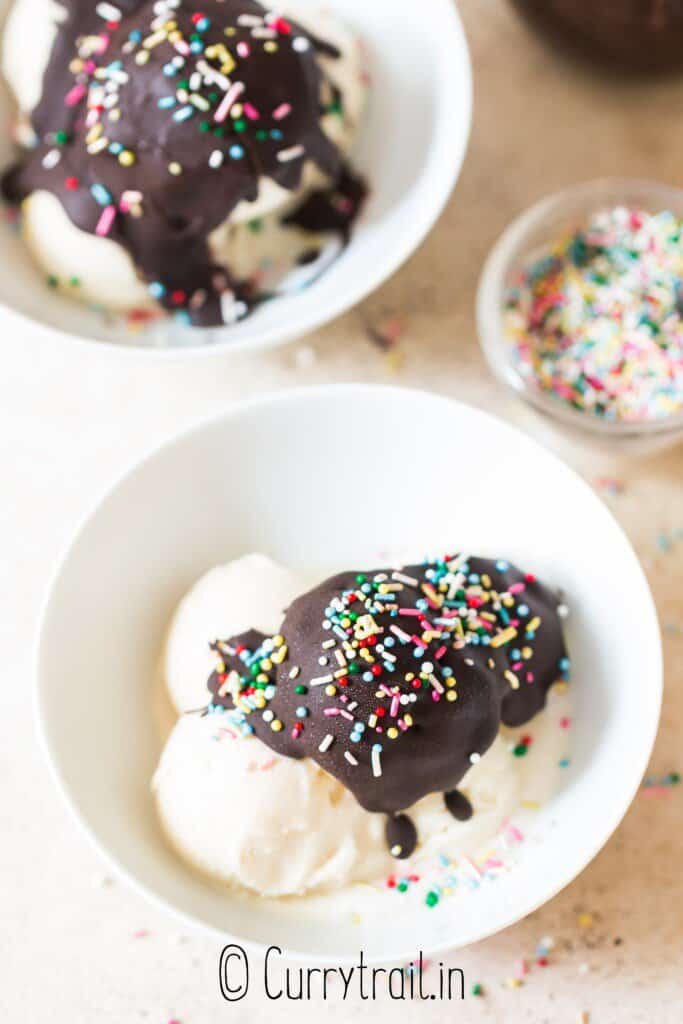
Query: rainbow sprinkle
597, 319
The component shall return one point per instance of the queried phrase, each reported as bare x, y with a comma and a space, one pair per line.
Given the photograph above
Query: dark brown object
635, 34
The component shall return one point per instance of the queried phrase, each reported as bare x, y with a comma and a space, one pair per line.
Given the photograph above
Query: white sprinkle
294, 672
350, 758
51, 159
326, 743
321, 680
300, 44
563, 611
108, 12
404, 579
216, 159
475, 758
285, 155
376, 763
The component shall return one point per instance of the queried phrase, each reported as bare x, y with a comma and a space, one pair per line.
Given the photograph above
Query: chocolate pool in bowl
635, 34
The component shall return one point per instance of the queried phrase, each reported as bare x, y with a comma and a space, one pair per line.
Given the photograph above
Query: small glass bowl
539, 226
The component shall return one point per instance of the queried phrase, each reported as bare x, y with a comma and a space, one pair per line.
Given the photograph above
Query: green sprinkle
520, 750
432, 899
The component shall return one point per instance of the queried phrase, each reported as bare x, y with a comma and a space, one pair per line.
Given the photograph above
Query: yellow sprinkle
533, 624
512, 679
531, 805
560, 686
127, 159
527, 652
392, 733
276, 725
503, 637
278, 640
141, 57
410, 676
262, 678
330, 690
450, 682
270, 46
175, 168
513, 983
114, 115
585, 920
408, 719
451, 695
266, 664
340, 673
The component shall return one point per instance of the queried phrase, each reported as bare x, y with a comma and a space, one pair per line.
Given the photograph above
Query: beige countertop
70, 420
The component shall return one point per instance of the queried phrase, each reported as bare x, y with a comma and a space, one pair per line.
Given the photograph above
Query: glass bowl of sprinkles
580, 309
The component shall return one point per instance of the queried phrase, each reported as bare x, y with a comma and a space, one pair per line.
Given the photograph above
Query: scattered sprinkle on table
596, 319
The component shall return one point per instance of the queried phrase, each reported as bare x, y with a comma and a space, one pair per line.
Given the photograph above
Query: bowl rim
497, 266
447, 156
297, 395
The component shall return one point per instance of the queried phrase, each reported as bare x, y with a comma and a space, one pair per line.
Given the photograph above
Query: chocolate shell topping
155, 125
397, 681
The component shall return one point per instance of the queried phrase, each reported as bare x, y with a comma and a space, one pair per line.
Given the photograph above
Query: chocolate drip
401, 836
190, 165
458, 805
390, 679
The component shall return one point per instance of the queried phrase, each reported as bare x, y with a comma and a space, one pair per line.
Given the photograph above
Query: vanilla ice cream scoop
250, 592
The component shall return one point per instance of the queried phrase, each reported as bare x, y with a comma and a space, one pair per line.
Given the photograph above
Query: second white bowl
411, 150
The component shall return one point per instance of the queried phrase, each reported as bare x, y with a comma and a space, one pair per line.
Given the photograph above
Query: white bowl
411, 150
276, 474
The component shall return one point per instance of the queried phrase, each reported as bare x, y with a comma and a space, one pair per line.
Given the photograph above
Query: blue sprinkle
181, 316
389, 642
522, 609
101, 195
276, 133
564, 763
359, 727
564, 664
355, 737
515, 654
183, 113
367, 677
196, 47
236, 152
115, 148
502, 566
301, 712
170, 70
157, 291
202, 25
165, 102
135, 36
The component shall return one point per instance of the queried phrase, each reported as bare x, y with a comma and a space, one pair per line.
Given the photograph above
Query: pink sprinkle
565, 723
141, 933
106, 220
440, 653
347, 715
103, 43
74, 96
251, 112
243, 49
521, 969
517, 588
182, 47
267, 765
233, 93
331, 712
395, 704
282, 111
514, 833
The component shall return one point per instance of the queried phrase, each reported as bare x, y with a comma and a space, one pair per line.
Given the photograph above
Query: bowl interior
528, 236
341, 490
410, 150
